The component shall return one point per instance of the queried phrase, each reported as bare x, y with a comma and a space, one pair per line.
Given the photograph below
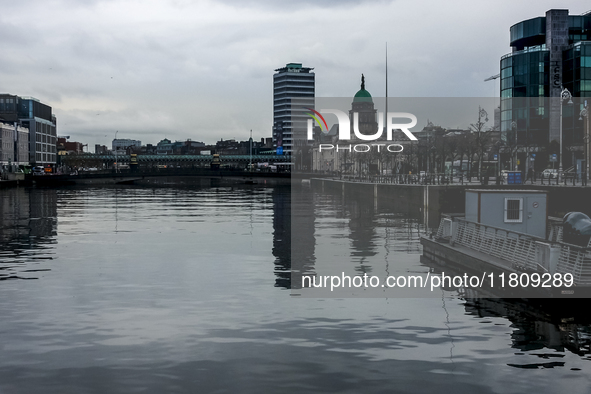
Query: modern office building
121, 145
38, 118
550, 53
291, 82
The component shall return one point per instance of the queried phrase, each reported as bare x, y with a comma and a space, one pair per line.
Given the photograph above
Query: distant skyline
204, 70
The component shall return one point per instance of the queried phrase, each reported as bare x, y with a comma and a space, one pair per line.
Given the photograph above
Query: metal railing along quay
524, 251
406, 179
567, 179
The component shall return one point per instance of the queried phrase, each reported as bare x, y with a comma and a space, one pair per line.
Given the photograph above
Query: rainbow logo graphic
317, 120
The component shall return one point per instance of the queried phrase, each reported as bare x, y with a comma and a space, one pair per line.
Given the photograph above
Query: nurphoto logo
345, 129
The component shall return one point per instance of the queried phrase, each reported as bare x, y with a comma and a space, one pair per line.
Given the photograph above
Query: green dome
362, 96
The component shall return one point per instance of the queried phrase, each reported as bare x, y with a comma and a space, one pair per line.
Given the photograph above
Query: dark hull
454, 260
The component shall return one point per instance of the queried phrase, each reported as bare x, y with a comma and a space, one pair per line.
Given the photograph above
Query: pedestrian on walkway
530, 176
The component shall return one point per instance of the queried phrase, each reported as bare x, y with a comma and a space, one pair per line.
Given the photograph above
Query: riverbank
436, 199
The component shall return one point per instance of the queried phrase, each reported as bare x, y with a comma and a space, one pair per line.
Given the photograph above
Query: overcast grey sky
203, 69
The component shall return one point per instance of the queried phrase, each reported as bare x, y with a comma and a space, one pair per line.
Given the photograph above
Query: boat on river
507, 234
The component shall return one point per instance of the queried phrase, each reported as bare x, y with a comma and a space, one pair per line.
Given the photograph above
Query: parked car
39, 170
550, 173
504, 175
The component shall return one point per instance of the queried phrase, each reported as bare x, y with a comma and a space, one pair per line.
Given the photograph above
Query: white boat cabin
522, 211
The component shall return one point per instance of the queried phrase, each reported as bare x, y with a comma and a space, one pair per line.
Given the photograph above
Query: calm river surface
165, 290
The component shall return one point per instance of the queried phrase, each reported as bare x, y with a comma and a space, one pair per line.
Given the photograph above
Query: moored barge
508, 232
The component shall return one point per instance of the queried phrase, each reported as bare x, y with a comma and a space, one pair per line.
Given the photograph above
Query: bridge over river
92, 160
170, 175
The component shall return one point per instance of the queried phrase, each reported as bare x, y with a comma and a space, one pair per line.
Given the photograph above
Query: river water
167, 289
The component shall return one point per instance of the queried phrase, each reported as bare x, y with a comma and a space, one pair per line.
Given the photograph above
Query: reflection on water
355, 234
184, 290
282, 237
535, 328
28, 226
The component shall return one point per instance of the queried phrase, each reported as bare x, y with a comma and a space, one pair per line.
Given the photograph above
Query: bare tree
482, 140
454, 150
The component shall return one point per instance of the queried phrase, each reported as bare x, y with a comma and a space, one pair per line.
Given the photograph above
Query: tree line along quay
477, 152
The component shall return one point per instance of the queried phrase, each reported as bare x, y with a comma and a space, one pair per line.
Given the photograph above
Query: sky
203, 70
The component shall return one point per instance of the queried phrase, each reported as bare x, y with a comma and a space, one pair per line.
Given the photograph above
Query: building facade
549, 53
291, 82
164, 147
120, 145
101, 149
363, 110
65, 147
38, 118
14, 144
363, 106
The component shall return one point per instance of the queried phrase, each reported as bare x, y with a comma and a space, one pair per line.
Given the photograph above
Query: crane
491, 78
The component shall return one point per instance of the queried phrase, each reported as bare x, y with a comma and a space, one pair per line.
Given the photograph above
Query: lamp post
564, 95
585, 114
428, 153
478, 127
116, 154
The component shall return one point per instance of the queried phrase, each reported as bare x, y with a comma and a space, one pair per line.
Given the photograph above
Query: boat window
513, 210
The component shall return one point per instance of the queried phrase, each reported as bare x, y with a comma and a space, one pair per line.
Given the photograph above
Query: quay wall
432, 200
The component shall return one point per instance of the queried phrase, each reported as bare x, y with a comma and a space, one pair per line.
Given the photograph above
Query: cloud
203, 69
286, 6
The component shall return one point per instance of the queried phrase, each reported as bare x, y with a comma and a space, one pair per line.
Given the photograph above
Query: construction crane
495, 85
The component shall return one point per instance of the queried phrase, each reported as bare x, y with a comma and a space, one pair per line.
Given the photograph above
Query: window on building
513, 210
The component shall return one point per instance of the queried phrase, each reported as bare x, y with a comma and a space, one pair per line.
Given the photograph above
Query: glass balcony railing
537, 48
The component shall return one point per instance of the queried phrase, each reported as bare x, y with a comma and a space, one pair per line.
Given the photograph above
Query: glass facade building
524, 86
577, 69
549, 53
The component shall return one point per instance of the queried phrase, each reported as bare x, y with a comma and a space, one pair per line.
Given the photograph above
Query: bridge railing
177, 158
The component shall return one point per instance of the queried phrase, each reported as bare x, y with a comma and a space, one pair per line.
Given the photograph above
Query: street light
585, 114
564, 95
481, 114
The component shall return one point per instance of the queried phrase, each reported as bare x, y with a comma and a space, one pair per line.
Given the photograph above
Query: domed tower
363, 105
